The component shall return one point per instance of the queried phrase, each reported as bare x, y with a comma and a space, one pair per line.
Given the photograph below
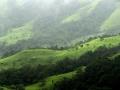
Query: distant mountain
43, 23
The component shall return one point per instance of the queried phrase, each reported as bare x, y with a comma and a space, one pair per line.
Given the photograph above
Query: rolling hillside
15, 35
49, 82
45, 56
43, 42
112, 22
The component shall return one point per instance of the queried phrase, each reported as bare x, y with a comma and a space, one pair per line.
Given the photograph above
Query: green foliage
23, 28
100, 75
17, 34
45, 56
1, 88
28, 74
112, 22
50, 81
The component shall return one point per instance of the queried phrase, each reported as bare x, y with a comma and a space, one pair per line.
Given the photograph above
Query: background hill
42, 23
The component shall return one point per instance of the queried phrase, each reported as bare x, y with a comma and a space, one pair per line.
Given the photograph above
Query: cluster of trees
100, 75
101, 37
8, 50
25, 75
23, 44
29, 74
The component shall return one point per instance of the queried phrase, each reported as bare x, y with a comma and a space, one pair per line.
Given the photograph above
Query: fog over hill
46, 23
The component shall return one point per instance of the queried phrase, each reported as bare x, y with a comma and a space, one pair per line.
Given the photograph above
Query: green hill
112, 22
29, 28
18, 34
68, 25
45, 56
50, 81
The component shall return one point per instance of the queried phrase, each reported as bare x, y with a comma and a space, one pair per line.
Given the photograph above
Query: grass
82, 12
33, 87
94, 5
33, 57
72, 18
115, 55
113, 21
47, 56
17, 34
50, 81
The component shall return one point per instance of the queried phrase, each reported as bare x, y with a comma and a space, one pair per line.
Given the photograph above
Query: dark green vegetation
100, 75
35, 57
28, 74
19, 77
59, 44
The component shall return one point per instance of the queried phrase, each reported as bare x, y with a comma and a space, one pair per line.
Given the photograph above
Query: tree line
29, 74
100, 75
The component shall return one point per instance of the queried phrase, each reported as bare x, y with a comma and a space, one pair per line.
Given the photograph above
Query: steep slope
112, 23
50, 81
18, 34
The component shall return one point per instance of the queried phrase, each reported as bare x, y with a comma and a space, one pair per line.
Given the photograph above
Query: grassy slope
49, 82
82, 12
113, 21
45, 56
35, 56
114, 56
17, 34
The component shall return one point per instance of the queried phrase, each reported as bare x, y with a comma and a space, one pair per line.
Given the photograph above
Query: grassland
17, 34
45, 56
82, 12
50, 81
113, 21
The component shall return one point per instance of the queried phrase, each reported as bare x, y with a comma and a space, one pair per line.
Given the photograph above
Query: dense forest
100, 75
94, 70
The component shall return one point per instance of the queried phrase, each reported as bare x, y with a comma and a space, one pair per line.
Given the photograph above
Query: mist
50, 23
59, 44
